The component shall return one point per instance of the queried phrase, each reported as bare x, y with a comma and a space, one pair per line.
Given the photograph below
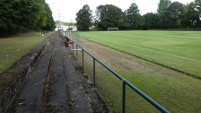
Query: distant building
65, 28
73, 28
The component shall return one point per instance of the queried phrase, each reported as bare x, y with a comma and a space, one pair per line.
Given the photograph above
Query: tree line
19, 16
170, 15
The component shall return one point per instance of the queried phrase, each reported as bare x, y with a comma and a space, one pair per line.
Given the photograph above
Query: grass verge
12, 49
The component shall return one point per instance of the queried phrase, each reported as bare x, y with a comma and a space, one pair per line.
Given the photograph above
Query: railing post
94, 71
76, 52
124, 97
83, 60
72, 47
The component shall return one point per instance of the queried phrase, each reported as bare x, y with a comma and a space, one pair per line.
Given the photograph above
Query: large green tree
133, 9
192, 17
84, 18
42, 17
163, 4
109, 16
134, 19
18, 16
173, 15
198, 14
50, 24
151, 20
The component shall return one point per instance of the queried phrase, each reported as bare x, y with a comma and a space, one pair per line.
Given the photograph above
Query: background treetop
18, 16
170, 15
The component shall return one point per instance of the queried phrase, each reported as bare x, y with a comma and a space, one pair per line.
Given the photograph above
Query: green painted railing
124, 81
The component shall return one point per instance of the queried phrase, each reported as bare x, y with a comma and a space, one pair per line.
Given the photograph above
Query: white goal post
113, 28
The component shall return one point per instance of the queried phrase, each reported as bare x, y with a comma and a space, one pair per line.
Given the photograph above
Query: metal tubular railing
124, 81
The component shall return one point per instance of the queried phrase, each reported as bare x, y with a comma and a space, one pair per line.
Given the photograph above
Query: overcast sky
66, 10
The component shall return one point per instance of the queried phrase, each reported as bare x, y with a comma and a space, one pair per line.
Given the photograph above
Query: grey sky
66, 10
